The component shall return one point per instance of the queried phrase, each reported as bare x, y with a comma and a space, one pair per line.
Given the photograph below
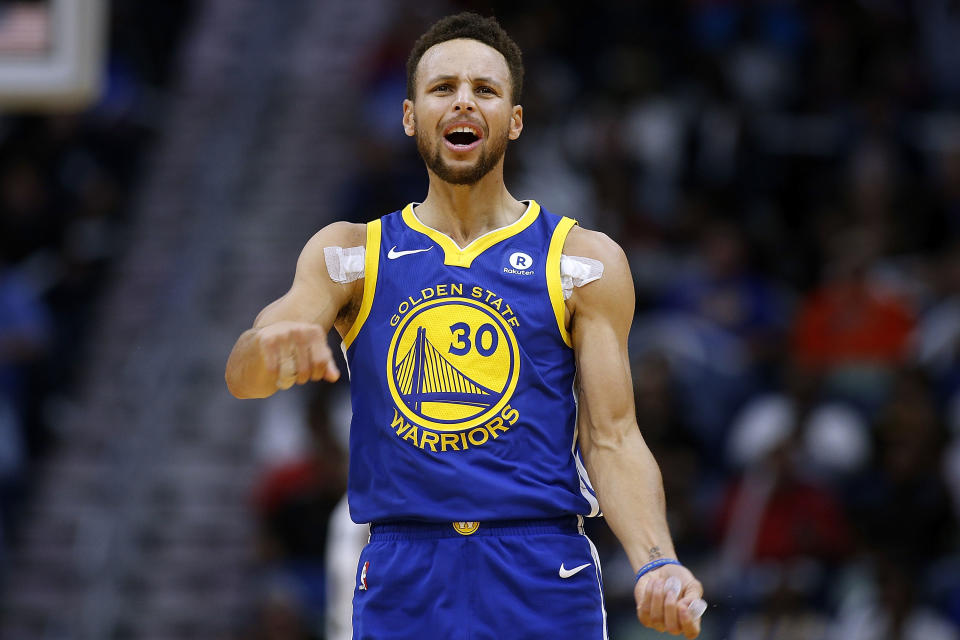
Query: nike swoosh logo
393, 254
566, 573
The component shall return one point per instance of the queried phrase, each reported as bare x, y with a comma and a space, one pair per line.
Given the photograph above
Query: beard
490, 155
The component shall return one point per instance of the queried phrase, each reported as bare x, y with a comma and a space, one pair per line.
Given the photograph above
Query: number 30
487, 333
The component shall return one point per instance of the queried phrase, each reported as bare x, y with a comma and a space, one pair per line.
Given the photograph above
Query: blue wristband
656, 564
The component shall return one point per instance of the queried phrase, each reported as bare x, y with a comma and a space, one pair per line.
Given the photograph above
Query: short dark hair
475, 27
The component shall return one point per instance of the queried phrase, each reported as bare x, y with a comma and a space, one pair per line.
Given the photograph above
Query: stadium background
784, 176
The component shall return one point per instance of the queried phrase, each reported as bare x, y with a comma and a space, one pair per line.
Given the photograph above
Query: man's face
463, 113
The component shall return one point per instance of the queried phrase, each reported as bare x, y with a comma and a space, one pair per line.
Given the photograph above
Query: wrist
654, 564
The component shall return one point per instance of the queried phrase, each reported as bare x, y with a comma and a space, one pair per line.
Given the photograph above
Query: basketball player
466, 321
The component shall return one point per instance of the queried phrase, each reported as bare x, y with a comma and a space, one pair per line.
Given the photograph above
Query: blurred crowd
66, 184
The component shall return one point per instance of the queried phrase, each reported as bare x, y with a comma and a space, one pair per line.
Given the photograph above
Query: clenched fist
670, 599
296, 353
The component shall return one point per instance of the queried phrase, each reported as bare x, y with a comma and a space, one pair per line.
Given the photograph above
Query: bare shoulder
599, 246
337, 234
314, 296
613, 292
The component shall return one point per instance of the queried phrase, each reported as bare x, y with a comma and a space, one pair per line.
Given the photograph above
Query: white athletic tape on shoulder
576, 271
345, 265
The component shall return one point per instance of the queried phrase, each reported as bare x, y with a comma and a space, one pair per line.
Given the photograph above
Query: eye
487, 90
442, 87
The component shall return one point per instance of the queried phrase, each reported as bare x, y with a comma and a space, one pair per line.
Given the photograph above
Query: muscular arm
288, 342
622, 469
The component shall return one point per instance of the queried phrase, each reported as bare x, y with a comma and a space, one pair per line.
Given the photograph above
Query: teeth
462, 130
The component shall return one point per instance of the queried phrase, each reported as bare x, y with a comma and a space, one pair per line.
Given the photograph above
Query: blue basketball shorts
503, 580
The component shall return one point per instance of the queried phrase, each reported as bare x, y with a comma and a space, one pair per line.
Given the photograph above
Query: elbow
609, 434
595, 447
612, 441
608, 443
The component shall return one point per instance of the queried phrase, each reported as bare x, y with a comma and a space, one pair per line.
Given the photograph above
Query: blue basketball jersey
461, 376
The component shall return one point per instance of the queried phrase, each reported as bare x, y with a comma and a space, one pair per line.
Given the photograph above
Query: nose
464, 101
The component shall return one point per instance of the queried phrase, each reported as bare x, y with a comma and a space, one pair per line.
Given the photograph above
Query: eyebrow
449, 77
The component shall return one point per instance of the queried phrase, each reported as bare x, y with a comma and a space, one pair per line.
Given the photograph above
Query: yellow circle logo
466, 528
453, 364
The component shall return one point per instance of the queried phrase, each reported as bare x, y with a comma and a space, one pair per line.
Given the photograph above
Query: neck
466, 212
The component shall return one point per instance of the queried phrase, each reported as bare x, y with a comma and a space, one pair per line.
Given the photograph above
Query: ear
409, 126
516, 122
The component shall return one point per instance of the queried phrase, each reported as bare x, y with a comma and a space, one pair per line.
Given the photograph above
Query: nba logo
363, 576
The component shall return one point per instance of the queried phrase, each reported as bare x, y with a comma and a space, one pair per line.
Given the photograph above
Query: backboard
51, 53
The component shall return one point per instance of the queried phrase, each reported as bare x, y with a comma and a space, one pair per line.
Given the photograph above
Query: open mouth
462, 138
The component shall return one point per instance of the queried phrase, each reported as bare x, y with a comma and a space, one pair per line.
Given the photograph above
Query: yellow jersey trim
453, 255
554, 287
371, 263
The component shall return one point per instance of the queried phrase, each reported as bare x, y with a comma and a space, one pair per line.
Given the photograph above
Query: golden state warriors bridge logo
452, 367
